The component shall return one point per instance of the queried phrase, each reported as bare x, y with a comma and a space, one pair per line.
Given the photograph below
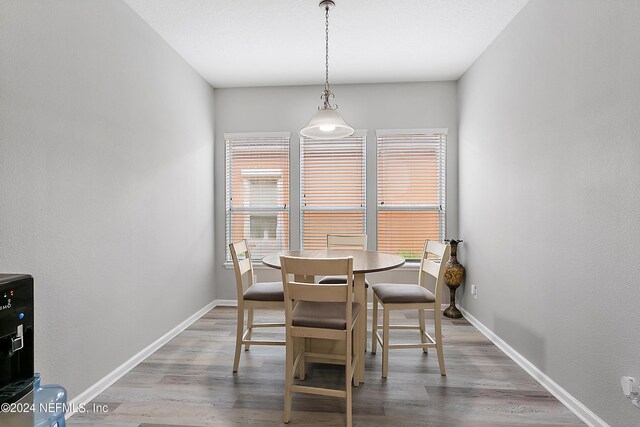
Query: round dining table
363, 262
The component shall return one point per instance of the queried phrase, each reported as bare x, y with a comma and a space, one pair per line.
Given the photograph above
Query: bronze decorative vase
453, 275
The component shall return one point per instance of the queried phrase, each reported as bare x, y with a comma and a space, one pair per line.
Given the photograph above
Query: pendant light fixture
327, 122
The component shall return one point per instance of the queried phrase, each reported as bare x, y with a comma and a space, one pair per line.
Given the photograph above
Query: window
411, 190
263, 192
257, 191
332, 188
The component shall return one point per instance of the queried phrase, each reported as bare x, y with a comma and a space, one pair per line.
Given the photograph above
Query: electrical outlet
474, 291
631, 390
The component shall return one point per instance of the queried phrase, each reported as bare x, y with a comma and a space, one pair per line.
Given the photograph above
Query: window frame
442, 196
230, 209
360, 133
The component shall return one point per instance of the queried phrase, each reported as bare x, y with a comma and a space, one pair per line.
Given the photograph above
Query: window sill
257, 265
410, 265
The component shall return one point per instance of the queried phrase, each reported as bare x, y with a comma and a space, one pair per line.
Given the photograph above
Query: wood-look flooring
188, 382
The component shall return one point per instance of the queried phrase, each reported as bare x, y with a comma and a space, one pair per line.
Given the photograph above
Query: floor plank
189, 383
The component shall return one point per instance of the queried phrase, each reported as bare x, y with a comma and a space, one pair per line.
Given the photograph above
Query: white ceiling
235, 43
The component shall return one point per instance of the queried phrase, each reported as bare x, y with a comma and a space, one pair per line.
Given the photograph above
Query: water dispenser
16, 349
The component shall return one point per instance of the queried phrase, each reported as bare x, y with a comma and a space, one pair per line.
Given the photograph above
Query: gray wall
106, 195
365, 106
549, 171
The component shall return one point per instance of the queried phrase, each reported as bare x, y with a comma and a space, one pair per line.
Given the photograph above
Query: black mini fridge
16, 350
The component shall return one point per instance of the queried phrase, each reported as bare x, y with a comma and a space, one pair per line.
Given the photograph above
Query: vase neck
454, 251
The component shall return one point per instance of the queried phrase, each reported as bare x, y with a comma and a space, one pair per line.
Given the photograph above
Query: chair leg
423, 338
298, 344
374, 326
385, 342
348, 367
354, 351
302, 371
239, 332
366, 315
288, 381
249, 327
439, 349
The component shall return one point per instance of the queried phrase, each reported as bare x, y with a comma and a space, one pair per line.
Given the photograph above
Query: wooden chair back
241, 256
357, 242
294, 267
433, 263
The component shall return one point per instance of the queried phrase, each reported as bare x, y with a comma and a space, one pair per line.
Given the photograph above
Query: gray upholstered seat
328, 315
391, 293
336, 280
266, 291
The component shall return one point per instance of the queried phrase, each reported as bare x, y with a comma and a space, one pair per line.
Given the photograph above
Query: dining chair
347, 241
393, 296
252, 296
320, 311
356, 242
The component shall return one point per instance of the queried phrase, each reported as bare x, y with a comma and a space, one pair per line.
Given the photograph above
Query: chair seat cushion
395, 293
336, 280
327, 315
265, 291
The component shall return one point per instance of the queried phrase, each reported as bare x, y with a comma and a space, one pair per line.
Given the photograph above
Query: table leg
361, 298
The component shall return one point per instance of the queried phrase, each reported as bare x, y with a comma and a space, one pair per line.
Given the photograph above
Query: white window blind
332, 188
257, 191
411, 190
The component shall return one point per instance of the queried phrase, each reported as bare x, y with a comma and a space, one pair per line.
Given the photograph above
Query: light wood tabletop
363, 261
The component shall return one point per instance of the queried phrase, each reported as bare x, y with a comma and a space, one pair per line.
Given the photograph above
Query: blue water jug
50, 403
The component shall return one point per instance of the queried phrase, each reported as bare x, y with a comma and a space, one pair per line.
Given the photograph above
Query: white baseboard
234, 303
226, 302
92, 392
573, 404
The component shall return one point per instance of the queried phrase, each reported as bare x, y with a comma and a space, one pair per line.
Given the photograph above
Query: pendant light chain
326, 93
326, 39
327, 122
